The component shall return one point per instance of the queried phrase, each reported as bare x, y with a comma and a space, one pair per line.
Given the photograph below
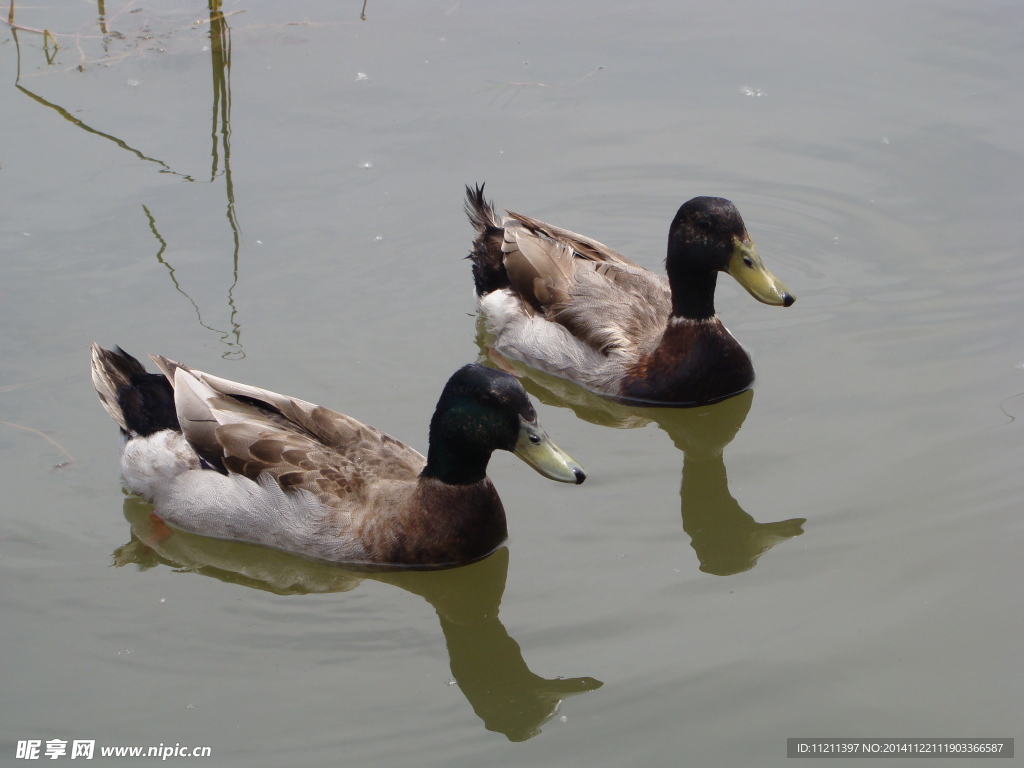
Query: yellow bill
535, 448
748, 269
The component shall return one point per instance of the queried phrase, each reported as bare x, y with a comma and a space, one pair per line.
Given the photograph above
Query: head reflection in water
726, 539
486, 662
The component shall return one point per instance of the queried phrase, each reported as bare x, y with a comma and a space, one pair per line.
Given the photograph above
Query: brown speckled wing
297, 461
539, 269
585, 247
601, 297
252, 431
616, 307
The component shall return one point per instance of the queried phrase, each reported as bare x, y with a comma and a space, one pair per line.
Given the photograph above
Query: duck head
482, 410
708, 236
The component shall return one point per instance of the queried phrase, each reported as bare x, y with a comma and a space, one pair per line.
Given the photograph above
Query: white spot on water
133, 83
361, 76
746, 90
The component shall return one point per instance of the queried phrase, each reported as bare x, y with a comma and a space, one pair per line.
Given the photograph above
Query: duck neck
454, 464
693, 293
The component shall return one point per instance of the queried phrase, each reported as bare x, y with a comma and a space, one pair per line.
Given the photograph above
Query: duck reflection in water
727, 539
486, 662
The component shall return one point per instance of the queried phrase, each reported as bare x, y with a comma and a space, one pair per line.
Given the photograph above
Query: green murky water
273, 194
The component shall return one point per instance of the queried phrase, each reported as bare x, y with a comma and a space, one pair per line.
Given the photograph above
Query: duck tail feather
480, 210
488, 260
141, 403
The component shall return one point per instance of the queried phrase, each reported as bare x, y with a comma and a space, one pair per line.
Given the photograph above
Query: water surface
274, 195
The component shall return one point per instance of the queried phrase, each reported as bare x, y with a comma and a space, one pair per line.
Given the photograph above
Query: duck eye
748, 261
704, 224
534, 438
487, 399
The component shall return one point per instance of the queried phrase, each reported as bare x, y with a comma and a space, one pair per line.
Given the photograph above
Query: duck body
570, 306
232, 461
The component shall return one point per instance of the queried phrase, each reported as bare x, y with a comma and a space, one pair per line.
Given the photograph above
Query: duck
233, 461
570, 306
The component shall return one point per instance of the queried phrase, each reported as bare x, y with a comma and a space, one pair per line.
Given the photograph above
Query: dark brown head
708, 236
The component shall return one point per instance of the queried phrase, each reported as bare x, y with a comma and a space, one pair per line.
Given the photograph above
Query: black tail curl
488, 260
145, 400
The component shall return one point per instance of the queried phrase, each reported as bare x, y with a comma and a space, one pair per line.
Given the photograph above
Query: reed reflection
220, 58
485, 661
134, 27
726, 538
